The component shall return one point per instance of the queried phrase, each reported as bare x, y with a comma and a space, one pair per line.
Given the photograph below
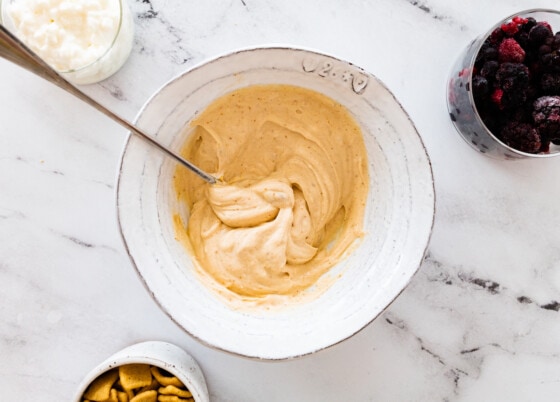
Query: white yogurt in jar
85, 40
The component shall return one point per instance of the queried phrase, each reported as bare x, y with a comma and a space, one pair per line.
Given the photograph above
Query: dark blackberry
519, 114
512, 99
521, 136
546, 115
480, 87
549, 54
512, 76
513, 80
488, 51
489, 69
522, 37
538, 34
550, 83
533, 92
492, 120
496, 36
531, 22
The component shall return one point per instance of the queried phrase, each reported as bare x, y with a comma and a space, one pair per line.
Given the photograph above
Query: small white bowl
110, 59
156, 353
398, 217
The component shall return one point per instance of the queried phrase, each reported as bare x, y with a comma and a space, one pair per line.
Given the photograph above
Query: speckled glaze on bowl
398, 218
156, 353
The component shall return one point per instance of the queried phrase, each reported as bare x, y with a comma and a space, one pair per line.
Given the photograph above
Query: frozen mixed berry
546, 115
497, 96
480, 86
529, 24
550, 83
513, 80
549, 53
522, 37
496, 36
510, 51
510, 29
489, 69
511, 76
516, 84
520, 114
546, 24
488, 51
521, 136
513, 27
539, 33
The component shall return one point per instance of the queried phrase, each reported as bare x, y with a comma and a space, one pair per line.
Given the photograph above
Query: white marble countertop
480, 320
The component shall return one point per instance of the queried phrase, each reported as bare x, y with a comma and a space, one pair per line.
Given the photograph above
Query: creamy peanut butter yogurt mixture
294, 167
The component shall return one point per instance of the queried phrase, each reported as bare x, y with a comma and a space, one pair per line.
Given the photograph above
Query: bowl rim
276, 46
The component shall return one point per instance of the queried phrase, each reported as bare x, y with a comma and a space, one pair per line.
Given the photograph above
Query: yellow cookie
135, 376
112, 396
173, 390
173, 398
165, 380
146, 396
122, 396
153, 385
100, 388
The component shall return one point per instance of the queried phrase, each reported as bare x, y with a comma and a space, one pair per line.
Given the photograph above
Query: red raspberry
511, 51
520, 20
510, 28
497, 97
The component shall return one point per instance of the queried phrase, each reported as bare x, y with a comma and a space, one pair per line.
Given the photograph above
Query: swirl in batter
295, 165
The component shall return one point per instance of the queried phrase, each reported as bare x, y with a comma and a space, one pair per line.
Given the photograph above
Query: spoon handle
12, 49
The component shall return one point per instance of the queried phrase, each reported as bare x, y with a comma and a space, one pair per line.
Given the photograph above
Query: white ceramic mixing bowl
398, 219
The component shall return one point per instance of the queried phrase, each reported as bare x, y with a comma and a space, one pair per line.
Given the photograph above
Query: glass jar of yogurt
86, 41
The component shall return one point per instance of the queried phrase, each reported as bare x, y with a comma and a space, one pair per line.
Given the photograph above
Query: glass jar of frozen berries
503, 93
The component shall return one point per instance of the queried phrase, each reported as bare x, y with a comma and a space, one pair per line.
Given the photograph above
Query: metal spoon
12, 49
